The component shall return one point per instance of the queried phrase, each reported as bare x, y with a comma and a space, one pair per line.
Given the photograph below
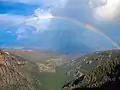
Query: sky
60, 25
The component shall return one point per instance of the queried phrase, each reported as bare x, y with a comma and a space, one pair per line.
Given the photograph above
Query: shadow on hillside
107, 86
114, 85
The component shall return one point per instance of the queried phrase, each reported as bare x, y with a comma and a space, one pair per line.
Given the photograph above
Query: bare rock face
10, 77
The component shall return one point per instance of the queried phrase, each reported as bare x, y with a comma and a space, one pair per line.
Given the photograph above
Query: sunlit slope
11, 78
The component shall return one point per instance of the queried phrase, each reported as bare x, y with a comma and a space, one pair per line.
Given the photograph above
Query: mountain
95, 71
36, 69
42, 67
11, 77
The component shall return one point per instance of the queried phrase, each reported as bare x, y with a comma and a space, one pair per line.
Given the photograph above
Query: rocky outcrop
103, 75
46, 67
10, 77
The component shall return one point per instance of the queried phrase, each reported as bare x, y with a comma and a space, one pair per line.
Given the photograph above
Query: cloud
9, 22
108, 10
35, 24
20, 31
76, 9
39, 21
97, 3
55, 3
11, 19
19, 37
47, 3
70, 8
32, 2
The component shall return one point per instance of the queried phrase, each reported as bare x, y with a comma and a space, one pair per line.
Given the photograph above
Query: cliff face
10, 76
100, 71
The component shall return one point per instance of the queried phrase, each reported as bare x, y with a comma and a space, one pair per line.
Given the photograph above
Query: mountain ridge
98, 70
11, 78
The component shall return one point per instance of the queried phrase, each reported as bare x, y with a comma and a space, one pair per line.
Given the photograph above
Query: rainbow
79, 23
